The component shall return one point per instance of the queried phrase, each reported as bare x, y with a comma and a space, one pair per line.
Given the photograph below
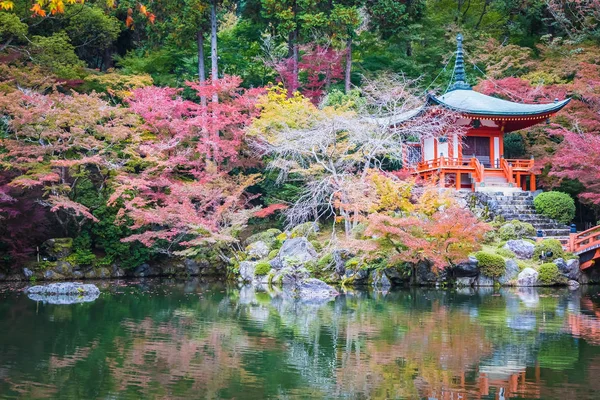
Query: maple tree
186, 194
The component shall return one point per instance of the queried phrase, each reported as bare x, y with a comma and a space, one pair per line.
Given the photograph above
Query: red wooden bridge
586, 245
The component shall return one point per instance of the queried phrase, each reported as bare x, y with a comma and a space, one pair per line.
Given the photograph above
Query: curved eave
539, 113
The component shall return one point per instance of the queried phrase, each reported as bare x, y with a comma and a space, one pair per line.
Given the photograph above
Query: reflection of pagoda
477, 159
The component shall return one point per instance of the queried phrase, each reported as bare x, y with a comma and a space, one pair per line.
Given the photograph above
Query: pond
158, 339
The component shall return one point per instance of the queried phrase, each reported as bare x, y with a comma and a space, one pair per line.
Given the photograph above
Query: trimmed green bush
506, 253
490, 264
549, 274
556, 205
547, 245
262, 268
513, 230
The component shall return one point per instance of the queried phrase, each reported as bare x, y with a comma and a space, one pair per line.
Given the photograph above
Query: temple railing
586, 240
507, 168
521, 164
447, 164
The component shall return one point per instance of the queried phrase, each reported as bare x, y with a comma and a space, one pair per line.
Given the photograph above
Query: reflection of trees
189, 341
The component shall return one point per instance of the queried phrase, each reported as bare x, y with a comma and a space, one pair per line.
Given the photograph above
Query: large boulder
312, 289
63, 268
569, 269
522, 248
357, 277
511, 271
247, 271
63, 293
57, 248
257, 250
269, 237
296, 251
483, 280
380, 280
426, 276
528, 277
465, 281
467, 268
51, 275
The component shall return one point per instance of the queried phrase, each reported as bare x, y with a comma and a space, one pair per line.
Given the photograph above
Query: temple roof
470, 102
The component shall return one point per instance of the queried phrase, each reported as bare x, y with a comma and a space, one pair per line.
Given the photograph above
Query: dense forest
178, 127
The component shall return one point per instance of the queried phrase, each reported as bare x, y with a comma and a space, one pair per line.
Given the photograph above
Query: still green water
190, 340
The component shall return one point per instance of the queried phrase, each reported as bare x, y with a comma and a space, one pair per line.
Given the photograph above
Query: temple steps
519, 206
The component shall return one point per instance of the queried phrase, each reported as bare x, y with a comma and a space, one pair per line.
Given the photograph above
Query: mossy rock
506, 253
269, 237
546, 246
58, 247
490, 264
308, 230
549, 274
514, 229
272, 254
262, 268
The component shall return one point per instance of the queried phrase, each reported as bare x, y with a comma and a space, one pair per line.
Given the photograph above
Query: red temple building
475, 160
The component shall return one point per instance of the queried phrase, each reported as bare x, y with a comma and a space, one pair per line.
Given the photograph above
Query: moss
272, 254
490, 264
279, 239
516, 230
546, 246
325, 261
317, 244
269, 237
506, 253
549, 274
308, 230
262, 268
352, 263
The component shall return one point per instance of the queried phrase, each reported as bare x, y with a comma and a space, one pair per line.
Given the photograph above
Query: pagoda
475, 160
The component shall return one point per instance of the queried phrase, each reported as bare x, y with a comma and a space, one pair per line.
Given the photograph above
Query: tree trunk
213, 45
201, 70
347, 75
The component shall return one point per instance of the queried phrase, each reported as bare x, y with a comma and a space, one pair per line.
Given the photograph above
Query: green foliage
548, 245
308, 230
556, 205
92, 31
272, 254
516, 230
11, 27
504, 252
325, 261
262, 268
57, 54
549, 274
490, 264
514, 145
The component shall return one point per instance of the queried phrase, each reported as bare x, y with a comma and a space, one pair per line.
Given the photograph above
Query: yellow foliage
392, 194
119, 85
433, 200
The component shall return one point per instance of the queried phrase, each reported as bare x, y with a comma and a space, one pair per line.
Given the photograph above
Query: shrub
516, 230
548, 274
325, 261
547, 245
262, 268
490, 264
556, 205
272, 254
506, 253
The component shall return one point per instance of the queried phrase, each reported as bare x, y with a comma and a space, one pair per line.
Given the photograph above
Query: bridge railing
579, 242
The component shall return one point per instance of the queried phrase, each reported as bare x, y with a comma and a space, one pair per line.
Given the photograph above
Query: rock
359, 277
63, 268
510, 273
57, 248
312, 289
396, 276
522, 248
269, 237
142, 270
528, 277
466, 268
424, 274
573, 284
465, 281
192, 267
64, 293
276, 263
117, 272
51, 275
246, 269
257, 250
103, 273
297, 251
483, 280
569, 269
27, 272
340, 256
90, 274
379, 279
78, 274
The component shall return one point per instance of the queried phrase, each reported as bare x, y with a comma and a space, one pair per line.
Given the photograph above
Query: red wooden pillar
532, 184
458, 180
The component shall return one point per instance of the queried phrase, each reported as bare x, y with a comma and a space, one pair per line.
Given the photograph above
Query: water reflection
176, 340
